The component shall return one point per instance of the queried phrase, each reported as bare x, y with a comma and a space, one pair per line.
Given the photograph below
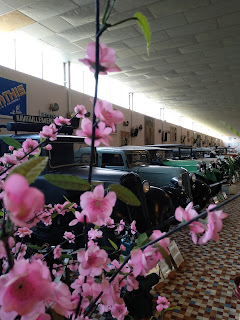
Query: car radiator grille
187, 185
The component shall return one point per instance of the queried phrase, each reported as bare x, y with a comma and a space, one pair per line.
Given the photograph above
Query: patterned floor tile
203, 289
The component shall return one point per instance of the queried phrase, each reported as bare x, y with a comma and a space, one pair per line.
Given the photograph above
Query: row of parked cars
158, 176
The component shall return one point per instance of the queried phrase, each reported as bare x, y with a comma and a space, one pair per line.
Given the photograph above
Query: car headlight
146, 186
193, 177
180, 182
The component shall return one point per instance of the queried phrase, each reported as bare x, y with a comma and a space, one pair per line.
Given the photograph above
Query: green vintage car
182, 156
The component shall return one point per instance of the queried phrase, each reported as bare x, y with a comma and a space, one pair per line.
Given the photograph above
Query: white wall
41, 93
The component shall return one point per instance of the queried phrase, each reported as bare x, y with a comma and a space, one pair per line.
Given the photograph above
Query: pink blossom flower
11, 243
107, 58
9, 159
162, 303
97, 207
38, 256
30, 146
20, 155
92, 261
122, 247
94, 234
133, 227
62, 299
10, 148
186, 215
138, 262
132, 283
44, 316
26, 285
101, 132
57, 252
80, 111
58, 270
104, 111
69, 236
143, 262
23, 232
46, 218
59, 121
91, 290
115, 265
22, 201
20, 250
60, 208
121, 226
79, 218
110, 223
164, 242
72, 265
214, 225
48, 147
49, 132
119, 311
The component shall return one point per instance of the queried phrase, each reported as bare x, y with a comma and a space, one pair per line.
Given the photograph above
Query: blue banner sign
13, 97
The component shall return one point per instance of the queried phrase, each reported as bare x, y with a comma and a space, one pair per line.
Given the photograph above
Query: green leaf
237, 133
124, 195
142, 239
143, 23
54, 215
66, 256
165, 255
106, 248
121, 259
31, 168
68, 182
1, 214
113, 244
12, 142
32, 246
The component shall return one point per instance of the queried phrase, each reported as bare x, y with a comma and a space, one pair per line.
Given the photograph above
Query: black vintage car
200, 190
156, 206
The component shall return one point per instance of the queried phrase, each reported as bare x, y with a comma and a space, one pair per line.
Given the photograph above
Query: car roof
124, 148
173, 146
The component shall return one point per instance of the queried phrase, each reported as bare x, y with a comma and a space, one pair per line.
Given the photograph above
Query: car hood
98, 174
190, 165
158, 175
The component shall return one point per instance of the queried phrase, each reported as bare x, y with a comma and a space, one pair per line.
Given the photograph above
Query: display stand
164, 270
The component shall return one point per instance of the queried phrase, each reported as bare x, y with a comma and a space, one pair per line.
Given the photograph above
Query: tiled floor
203, 289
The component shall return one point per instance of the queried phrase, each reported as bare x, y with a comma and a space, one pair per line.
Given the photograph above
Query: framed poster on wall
125, 136
198, 140
173, 134
13, 97
149, 130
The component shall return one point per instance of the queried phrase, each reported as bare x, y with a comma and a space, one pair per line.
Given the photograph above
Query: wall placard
12, 97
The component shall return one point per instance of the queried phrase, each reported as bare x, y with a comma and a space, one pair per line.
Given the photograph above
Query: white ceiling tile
43, 9
37, 30
4, 8
56, 24
18, 3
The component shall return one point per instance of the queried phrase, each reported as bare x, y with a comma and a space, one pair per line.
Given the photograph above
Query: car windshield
68, 154
185, 153
137, 158
159, 155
